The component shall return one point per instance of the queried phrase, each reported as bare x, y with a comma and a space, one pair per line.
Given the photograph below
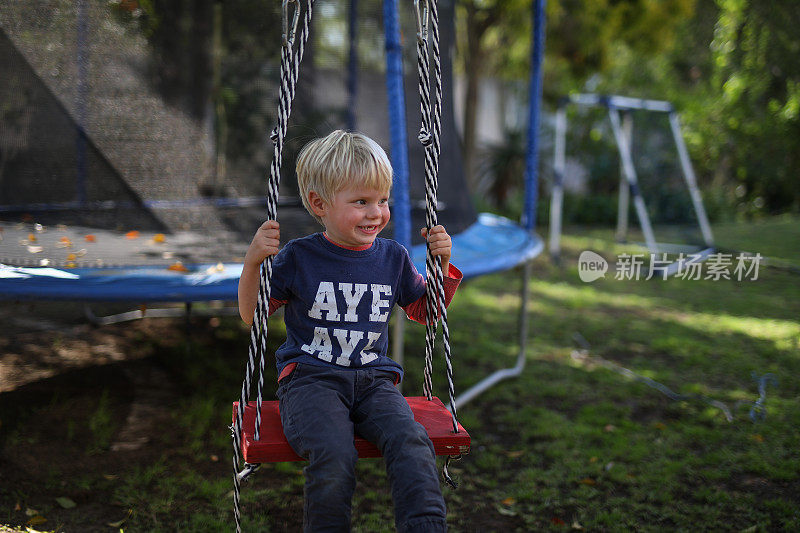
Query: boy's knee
424, 525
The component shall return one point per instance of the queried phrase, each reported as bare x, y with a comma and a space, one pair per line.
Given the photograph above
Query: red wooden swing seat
274, 448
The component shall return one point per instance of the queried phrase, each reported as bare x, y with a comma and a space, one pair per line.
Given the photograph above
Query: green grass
571, 443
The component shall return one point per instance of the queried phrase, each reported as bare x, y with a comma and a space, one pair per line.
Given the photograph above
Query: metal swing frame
619, 113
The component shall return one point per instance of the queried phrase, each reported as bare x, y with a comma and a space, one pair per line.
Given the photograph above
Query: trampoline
490, 244
202, 263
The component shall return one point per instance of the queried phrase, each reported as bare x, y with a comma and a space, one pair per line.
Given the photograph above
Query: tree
733, 72
583, 37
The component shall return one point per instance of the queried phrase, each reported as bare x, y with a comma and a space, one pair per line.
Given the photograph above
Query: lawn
617, 422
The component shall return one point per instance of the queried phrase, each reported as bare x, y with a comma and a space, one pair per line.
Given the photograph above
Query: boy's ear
317, 203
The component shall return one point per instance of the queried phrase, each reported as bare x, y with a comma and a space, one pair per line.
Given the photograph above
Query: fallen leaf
557, 521
37, 520
588, 481
660, 425
110, 477
31, 237
509, 502
65, 502
159, 238
609, 428
214, 458
757, 437
71, 257
31, 512
132, 235
505, 511
17, 507
178, 267
514, 454
119, 524
35, 249
593, 460
90, 238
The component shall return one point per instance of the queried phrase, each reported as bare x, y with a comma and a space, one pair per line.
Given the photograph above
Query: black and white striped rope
437, 134
426, 138
290, 62
430, 137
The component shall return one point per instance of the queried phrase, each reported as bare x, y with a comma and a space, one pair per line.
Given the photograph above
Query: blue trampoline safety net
491, 244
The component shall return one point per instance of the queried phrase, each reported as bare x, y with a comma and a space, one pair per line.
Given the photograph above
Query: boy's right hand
265, 242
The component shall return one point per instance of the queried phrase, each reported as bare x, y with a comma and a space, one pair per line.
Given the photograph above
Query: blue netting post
534, 114
401, 211
83, 69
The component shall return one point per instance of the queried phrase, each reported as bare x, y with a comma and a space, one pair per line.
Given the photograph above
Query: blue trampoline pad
491, 244
204, 282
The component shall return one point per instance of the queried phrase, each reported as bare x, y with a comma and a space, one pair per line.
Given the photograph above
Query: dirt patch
80, 407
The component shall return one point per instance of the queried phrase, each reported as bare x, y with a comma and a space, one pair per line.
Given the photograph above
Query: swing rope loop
422, 20
289, 33
291, 58
430, 137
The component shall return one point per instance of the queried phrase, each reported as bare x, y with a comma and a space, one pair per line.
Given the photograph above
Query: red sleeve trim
417, 312
287, 370
275, 304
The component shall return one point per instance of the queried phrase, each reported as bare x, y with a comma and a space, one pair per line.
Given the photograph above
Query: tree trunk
473, 65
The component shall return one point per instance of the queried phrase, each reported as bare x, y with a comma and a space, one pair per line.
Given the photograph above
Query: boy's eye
384, 201
361, 202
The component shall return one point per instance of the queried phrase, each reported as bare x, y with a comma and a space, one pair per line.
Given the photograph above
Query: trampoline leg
166, 312
516, 370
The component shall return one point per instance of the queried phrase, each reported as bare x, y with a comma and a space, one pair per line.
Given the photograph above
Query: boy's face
355, 216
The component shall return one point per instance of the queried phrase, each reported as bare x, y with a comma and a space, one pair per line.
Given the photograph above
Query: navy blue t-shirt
338, 301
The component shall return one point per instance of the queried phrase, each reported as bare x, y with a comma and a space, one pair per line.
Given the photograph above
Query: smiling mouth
368, 229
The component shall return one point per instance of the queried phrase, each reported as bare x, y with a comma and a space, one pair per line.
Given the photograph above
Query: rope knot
424, 137
273, 136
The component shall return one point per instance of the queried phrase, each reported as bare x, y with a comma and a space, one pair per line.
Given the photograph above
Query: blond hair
339, 160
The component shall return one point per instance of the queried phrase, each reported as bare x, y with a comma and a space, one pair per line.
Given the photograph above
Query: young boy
334, 376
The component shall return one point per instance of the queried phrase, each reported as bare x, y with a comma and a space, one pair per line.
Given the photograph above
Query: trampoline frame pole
529, 217
399, 148
512, 372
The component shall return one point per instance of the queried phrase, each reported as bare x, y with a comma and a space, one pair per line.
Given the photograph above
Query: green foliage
101, 424
733, 73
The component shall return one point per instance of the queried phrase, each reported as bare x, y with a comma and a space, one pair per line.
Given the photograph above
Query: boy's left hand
440, 245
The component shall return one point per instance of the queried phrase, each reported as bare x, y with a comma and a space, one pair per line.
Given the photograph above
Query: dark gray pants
321, 409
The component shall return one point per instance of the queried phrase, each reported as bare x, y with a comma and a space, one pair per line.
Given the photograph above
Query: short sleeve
412, 284
283, 270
